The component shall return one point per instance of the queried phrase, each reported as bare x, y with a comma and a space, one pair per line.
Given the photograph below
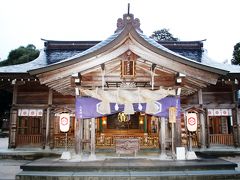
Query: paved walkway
10, 167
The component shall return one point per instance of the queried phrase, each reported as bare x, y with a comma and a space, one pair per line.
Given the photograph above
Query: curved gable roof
127, 27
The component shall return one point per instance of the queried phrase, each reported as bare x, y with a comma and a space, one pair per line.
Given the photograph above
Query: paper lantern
64, 122
192, 122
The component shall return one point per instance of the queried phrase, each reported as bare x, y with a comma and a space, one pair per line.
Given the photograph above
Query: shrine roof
62, 53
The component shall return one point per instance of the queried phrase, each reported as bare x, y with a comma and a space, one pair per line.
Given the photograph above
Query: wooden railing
29, 140
223, 139
109, 141
60, 140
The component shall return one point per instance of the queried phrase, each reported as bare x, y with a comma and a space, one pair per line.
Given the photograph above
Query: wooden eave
177, 58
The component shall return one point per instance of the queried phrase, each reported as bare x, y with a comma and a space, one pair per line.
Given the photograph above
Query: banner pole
173, 151
66, 142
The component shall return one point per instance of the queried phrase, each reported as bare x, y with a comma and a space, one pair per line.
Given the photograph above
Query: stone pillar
162, 138
93, 146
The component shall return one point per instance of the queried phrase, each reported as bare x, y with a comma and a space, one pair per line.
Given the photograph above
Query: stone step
99, 175
124, 165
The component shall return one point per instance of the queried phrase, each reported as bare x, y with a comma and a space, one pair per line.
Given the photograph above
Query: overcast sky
27, 21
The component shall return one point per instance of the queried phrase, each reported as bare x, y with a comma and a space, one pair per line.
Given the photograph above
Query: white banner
64, 122
192, 121
210, 112
32, 112
39, 112
19, 112
219, 112
24, 112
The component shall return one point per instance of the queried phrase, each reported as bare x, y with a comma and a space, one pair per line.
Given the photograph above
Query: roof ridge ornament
128, 19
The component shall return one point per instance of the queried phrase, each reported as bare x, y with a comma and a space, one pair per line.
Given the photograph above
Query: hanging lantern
104, 120
192, 121
64, 122
122, 117
140, 120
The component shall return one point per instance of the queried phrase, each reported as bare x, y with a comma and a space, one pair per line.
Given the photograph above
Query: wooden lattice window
29, 125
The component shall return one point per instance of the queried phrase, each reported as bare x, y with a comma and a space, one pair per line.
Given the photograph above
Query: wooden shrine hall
122, 89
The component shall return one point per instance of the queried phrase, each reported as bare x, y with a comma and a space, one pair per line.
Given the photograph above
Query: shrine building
127, 88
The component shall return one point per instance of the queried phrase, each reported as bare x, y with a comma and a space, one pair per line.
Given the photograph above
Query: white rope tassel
128, 108
152, 79
139, 104
103, 78
116, 107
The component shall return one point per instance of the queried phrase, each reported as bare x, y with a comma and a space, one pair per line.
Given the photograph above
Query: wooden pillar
202, 121
178, 132
13, 128
15, 90
207, 132
162, 138
51, 130
93, 146
13, 118
86, 133
78, 136
238, 126
235, 118
50, 99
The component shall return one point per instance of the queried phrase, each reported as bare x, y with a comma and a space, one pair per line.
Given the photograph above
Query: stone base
190, 155
163, 156
66, 155
92, 157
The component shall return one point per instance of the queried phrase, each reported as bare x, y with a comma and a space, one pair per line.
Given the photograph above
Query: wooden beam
145, 53
81, 66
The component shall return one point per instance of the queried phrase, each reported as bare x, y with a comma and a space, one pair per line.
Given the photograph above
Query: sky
24, 22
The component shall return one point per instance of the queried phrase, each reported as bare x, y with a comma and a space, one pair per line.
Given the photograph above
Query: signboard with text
172, 114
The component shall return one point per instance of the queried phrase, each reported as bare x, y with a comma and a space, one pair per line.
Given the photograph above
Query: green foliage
21, 55
236, 54
163, 35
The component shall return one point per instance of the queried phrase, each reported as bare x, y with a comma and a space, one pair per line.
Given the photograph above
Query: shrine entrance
121, 126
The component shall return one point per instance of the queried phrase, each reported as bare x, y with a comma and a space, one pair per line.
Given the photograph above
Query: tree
236, 54
21, 55
163, 35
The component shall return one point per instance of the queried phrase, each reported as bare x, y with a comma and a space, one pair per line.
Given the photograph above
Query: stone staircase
128, 168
